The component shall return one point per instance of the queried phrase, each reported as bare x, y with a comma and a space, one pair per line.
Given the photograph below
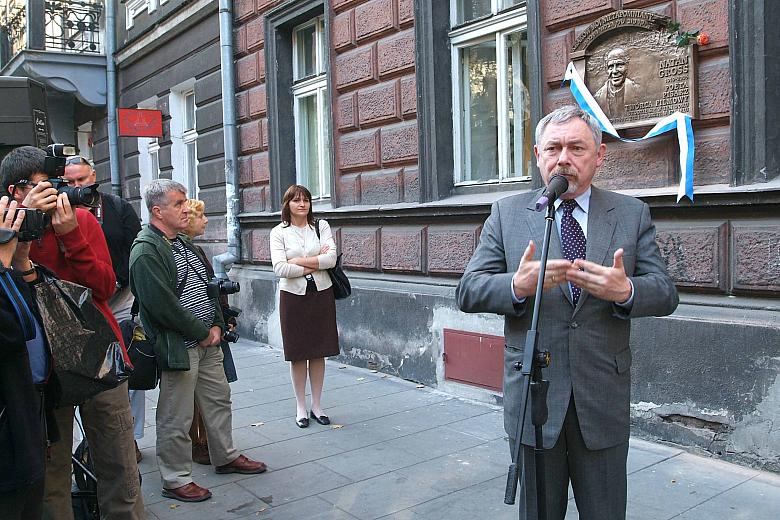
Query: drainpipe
223, 261
113, 132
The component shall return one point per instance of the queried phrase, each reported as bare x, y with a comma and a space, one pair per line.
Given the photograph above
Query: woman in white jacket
307, 308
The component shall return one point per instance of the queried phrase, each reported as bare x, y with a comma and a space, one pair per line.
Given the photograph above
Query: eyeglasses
25, 183
77, 159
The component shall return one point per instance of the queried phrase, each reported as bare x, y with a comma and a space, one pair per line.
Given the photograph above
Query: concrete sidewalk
397, 451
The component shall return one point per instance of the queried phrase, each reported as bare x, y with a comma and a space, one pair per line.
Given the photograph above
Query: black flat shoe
302, 423
322, 419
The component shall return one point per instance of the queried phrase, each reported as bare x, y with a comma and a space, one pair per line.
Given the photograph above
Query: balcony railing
51, 25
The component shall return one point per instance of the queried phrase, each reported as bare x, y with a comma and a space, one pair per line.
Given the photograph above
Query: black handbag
86, 354
145, 373
341, 285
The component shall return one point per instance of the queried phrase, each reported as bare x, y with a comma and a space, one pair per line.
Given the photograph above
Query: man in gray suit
604, 268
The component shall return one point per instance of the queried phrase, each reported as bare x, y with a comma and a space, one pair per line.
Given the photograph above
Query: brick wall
720, 249
652, 164
375, 127
251, 104
375, 145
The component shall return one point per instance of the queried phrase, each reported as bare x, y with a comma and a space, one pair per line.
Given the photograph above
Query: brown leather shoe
243, 465
200, 454
188, 493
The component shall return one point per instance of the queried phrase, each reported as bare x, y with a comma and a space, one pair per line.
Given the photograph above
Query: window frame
279, 24
134, 8
189, 137
182, 138
434, 98
494, 28
307, 86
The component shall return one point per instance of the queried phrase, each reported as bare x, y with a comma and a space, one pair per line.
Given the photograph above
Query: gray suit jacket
589, 343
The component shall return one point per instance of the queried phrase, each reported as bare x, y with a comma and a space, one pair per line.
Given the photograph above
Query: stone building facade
409, 195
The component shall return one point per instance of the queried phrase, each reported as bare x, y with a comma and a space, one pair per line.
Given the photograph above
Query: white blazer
291, 242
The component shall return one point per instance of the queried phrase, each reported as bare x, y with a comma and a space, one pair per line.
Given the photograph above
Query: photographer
170, 281
22, 438
74, 248
120, 225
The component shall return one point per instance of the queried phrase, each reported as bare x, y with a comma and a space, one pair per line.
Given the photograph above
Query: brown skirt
308, 324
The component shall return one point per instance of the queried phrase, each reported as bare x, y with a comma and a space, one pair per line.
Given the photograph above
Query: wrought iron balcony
57, 42
51, 25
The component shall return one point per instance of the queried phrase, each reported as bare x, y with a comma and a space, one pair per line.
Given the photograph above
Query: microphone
555, 188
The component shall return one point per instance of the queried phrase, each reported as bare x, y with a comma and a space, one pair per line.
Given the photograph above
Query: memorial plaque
634, 68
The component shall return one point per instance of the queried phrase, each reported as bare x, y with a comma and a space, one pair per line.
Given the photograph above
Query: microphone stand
531, 367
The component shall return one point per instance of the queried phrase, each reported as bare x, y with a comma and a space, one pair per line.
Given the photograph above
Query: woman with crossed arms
307, 307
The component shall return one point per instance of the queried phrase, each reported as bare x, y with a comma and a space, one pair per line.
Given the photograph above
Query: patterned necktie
572, 241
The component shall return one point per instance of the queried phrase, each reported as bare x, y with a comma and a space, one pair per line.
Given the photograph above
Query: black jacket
22, 440
120, 226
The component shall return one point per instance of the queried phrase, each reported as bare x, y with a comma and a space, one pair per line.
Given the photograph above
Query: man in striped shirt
169, 280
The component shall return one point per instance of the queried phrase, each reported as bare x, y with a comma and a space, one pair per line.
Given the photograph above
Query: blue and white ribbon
679, 121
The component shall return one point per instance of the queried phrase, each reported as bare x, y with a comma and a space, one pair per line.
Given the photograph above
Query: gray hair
155, 191
565, 114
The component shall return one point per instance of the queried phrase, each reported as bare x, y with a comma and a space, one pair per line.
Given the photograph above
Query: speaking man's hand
607, 283
524, 279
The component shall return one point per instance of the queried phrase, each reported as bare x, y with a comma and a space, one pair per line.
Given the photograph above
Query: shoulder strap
317, 227
26, 318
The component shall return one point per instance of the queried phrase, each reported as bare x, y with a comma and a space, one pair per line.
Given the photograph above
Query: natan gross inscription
637, 74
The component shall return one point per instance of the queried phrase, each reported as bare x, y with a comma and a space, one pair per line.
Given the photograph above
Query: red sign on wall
137, 122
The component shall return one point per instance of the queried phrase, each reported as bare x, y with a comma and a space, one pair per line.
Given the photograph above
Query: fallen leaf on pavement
336, 426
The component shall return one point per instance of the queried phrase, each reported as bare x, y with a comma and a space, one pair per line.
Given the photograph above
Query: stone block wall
374, 107
405, 260
251, 105
654, 163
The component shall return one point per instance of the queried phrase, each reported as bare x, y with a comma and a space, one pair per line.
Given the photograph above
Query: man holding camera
120, 225
74, 248
179, 312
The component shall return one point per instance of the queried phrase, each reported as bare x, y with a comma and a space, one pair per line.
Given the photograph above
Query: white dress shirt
292, 242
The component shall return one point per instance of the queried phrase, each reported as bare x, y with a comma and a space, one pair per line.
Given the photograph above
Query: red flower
703, 39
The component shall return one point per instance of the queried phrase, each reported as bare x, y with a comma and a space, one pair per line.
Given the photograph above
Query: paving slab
294, 483
309, 508
399, 452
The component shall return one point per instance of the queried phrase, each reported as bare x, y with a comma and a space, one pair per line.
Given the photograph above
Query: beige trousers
205, 383
108, 425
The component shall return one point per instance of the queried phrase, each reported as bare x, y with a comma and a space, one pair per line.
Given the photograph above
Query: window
468, 10
133, 9
184, 137
148, 158
492, 106
189, 138
310, 108
298, 90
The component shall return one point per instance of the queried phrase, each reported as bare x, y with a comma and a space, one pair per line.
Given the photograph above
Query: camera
219, 286
230, 314
54, 168
56, 155
83, 196
34, 224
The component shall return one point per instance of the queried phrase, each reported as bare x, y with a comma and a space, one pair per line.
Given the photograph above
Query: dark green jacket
153, 283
